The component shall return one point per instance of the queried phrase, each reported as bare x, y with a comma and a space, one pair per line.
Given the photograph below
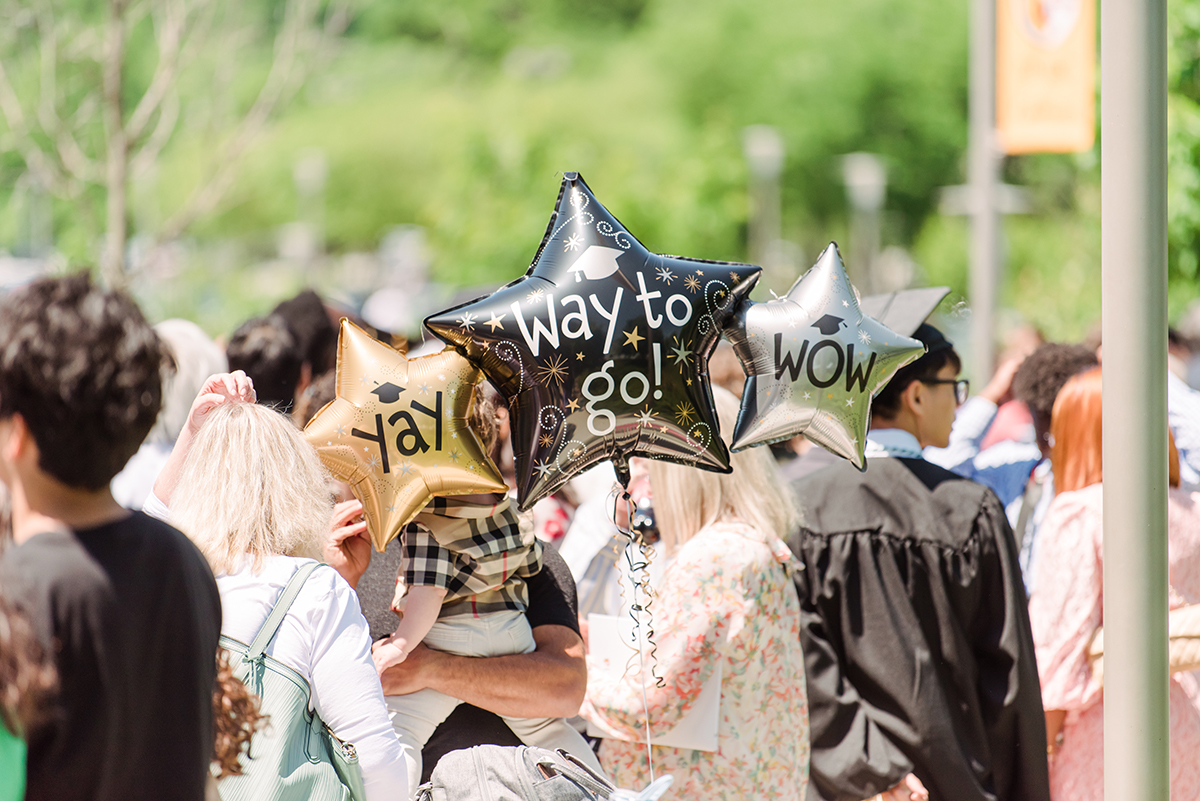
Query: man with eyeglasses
1017, 471
918, 653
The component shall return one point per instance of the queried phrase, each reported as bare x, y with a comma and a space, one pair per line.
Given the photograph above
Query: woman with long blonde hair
726, 600
1066, 608
251, 493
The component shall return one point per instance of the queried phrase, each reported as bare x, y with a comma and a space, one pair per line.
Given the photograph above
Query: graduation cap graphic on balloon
596, 262
828, 324
387, 392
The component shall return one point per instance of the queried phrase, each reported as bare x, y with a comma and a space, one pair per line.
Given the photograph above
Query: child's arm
420, 613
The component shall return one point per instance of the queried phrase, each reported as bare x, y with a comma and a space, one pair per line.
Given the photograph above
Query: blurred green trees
457, 116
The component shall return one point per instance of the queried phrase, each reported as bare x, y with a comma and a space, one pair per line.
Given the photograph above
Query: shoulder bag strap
275, 619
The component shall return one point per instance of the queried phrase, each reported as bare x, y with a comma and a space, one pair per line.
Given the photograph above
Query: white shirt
324, 638
136, 480
1183, 415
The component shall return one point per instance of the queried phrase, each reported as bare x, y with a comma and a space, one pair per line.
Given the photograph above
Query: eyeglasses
962, 387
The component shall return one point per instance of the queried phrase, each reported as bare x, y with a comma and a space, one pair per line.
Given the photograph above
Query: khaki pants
416, 716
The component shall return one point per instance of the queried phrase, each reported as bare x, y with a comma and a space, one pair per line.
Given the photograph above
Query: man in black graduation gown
917, 644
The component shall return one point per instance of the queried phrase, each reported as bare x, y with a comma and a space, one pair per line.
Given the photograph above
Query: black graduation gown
917, 646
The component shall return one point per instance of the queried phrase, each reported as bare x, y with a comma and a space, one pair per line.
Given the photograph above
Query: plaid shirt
480, 554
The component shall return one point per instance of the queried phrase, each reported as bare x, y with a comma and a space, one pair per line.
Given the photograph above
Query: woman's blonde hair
687, 500
1076, 426
252, 487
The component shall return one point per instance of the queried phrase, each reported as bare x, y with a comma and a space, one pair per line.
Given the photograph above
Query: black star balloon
601, 348
813, 362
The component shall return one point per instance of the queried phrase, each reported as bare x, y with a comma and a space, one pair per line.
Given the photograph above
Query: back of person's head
84, 370
1041, 376
1077, 426
252, 487
266, 351
314, 332
195, 358
939, 353
687, 500
321, 391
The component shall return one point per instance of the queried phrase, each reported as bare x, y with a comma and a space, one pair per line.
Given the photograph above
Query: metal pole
764, 151
982, 177
1133, 167
866, 187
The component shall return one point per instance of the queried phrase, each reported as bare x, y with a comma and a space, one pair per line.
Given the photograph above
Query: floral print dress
727, 599
1066, 609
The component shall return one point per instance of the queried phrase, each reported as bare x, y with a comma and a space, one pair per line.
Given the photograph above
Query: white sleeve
154, 507
971, 424
347, 693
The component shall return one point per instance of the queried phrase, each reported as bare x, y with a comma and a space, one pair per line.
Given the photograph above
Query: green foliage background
458, 116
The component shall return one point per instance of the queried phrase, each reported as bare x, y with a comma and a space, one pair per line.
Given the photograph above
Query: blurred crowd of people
924, 629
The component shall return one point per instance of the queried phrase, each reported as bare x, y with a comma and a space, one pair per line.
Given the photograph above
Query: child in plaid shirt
461, 589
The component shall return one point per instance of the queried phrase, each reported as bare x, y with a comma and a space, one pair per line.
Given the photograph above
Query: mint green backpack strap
274, 620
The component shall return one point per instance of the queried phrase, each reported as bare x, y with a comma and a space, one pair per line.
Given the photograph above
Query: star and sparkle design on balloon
627, 332
399, 433
813, 363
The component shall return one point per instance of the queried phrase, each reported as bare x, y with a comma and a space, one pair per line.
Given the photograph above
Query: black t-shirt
552, 601
133, 614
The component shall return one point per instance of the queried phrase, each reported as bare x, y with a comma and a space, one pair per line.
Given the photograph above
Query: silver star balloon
813, 361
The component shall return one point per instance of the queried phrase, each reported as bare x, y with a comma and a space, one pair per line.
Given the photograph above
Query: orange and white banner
1045, 75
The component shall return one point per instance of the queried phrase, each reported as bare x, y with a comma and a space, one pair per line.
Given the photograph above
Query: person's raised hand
235, 387
999, 389
348, 547
219, 389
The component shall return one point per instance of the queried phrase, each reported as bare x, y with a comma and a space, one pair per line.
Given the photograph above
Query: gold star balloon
398, 431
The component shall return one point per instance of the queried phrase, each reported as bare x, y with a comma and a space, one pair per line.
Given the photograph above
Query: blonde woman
726, 599
248, 490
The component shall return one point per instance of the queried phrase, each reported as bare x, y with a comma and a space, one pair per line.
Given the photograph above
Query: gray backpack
523, 773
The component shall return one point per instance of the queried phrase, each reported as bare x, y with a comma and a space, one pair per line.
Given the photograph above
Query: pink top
1065, 611
726, 599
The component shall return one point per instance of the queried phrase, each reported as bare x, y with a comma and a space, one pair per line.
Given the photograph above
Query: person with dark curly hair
127, 604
